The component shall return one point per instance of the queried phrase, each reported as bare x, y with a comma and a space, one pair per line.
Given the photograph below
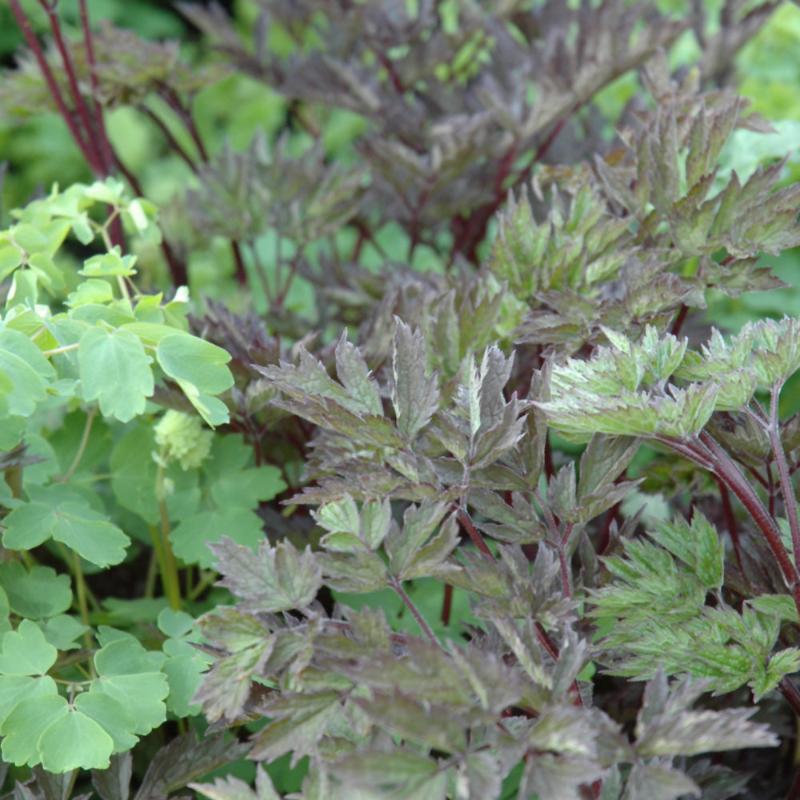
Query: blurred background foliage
37, 150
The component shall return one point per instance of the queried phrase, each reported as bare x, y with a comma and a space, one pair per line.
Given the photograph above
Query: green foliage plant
489, 511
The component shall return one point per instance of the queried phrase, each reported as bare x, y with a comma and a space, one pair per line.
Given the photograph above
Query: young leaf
115, 370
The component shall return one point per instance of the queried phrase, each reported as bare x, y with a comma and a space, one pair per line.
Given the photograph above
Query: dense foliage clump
416, 418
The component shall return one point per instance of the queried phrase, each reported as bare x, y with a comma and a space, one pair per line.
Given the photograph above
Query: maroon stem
447, 603
169, 136
105, 144
96, 160
791, 693
552, 650
675, 330
52, 85
185, 116
787, 490
549, 468
563, 564
730, 522
177, 266
472, 532
238, 260
727, 469
604, 540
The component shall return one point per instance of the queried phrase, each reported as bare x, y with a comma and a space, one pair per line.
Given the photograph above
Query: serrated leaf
114, 783
185, 759
230, 788
415, 393
298, 723
339, 516
355, 376
273, 579
419, 524
429, 559
225, 687
658, 782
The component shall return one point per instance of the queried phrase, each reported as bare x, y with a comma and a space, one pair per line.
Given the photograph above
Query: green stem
152, 572
171, 579
207, 580
13, 476
87, 431
82, 599
169, 566
57, 351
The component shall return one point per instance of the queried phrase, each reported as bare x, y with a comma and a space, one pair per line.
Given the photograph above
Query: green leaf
273, 579
193, 537
25, 651
108, 265
174, 623
185, 664
780, 605
184, 668
200, 369
10, 258
339, 516
698, 545
63, 631
134, 474
25, 373
246, 488
64, 516
23, 727
111, 715
132, 676
115, 370
784, 662
74, 741
16, 688
37, 593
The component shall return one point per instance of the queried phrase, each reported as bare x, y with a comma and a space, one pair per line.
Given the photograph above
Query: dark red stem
473, 533
447, 603
52, 86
